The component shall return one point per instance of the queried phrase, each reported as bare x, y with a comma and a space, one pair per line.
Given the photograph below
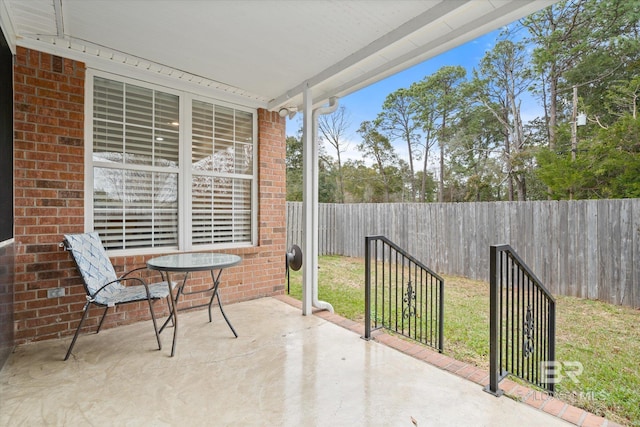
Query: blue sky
366, 103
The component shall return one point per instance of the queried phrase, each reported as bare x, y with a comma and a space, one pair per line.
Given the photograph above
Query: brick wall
49, 201
48, 168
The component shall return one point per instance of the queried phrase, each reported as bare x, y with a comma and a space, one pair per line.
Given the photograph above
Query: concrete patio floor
285, 369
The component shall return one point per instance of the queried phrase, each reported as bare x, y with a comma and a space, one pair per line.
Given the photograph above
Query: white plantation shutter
137, 169
222, 174
135, 165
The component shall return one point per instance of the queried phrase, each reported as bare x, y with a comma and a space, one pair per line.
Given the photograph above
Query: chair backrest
93, 264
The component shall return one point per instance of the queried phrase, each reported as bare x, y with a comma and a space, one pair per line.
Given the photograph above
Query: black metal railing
522, 322
401, 294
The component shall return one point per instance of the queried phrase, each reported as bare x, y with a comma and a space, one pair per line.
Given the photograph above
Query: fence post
494, 323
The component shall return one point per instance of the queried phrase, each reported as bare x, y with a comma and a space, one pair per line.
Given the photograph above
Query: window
222, 168
146, 193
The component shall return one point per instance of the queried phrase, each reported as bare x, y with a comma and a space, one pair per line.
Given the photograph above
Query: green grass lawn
604, 338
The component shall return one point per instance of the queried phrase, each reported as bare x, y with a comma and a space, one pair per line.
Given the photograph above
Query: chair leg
155, 325
85, 311
102, 320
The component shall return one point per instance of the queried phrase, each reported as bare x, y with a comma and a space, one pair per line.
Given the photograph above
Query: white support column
309, 204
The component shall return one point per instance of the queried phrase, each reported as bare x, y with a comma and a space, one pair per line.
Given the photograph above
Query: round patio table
187, 263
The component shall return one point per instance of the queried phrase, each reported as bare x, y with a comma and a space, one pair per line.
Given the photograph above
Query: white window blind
222, 174
135, 165
137, 169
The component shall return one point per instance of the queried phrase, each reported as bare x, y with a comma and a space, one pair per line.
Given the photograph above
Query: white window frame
184, 172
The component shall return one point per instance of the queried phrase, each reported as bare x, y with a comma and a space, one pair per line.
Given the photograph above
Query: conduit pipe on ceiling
333, 106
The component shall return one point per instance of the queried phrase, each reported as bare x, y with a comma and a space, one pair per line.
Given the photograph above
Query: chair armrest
132, 271
125, 279
146, 279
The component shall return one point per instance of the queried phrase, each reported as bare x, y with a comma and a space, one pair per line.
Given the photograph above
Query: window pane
224, 123
139, 106
107, 137
244, 126
108, 99
202, 136
202, 119
201, 153
135, 208
167, 149
138, 145
202, 209
221, 210
244, 159
167, 112
223, 156
166, 132
242, 210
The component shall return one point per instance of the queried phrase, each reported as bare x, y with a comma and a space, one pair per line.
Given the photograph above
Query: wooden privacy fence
583, 248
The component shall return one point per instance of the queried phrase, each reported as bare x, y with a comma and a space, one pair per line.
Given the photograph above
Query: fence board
583, 248
626, 260
635, 253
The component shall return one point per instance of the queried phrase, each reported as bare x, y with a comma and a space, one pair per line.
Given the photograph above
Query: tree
559, 33
583, 43
500, 81
327, 191
398, 121
443, 88
425, 108
377, 147
334, 128
294, 173
293, 164
595, 48
474, 163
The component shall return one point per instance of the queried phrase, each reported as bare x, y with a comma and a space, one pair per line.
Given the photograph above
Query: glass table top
193, 261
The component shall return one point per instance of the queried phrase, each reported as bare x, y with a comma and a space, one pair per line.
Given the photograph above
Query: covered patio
283, 370
249, 63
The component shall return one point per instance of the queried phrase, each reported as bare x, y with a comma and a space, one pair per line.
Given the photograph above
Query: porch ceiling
261, 51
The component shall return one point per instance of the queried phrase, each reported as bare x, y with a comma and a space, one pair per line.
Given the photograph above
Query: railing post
552, 341
367, 288
441, 319
494, 323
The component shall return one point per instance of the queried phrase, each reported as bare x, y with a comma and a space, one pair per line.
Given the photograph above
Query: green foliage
606, 166
294, 169
327, 181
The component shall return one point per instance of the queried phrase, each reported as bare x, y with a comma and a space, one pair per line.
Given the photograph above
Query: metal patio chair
103, 287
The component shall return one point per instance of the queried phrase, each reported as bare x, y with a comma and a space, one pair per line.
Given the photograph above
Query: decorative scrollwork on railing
528, 327
409, 300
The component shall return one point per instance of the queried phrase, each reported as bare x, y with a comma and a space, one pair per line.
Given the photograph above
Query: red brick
593, 421
573, 414
553, 406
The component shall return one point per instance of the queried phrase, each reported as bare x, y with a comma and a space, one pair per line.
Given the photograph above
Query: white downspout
308, 261
310, 203
333, 105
